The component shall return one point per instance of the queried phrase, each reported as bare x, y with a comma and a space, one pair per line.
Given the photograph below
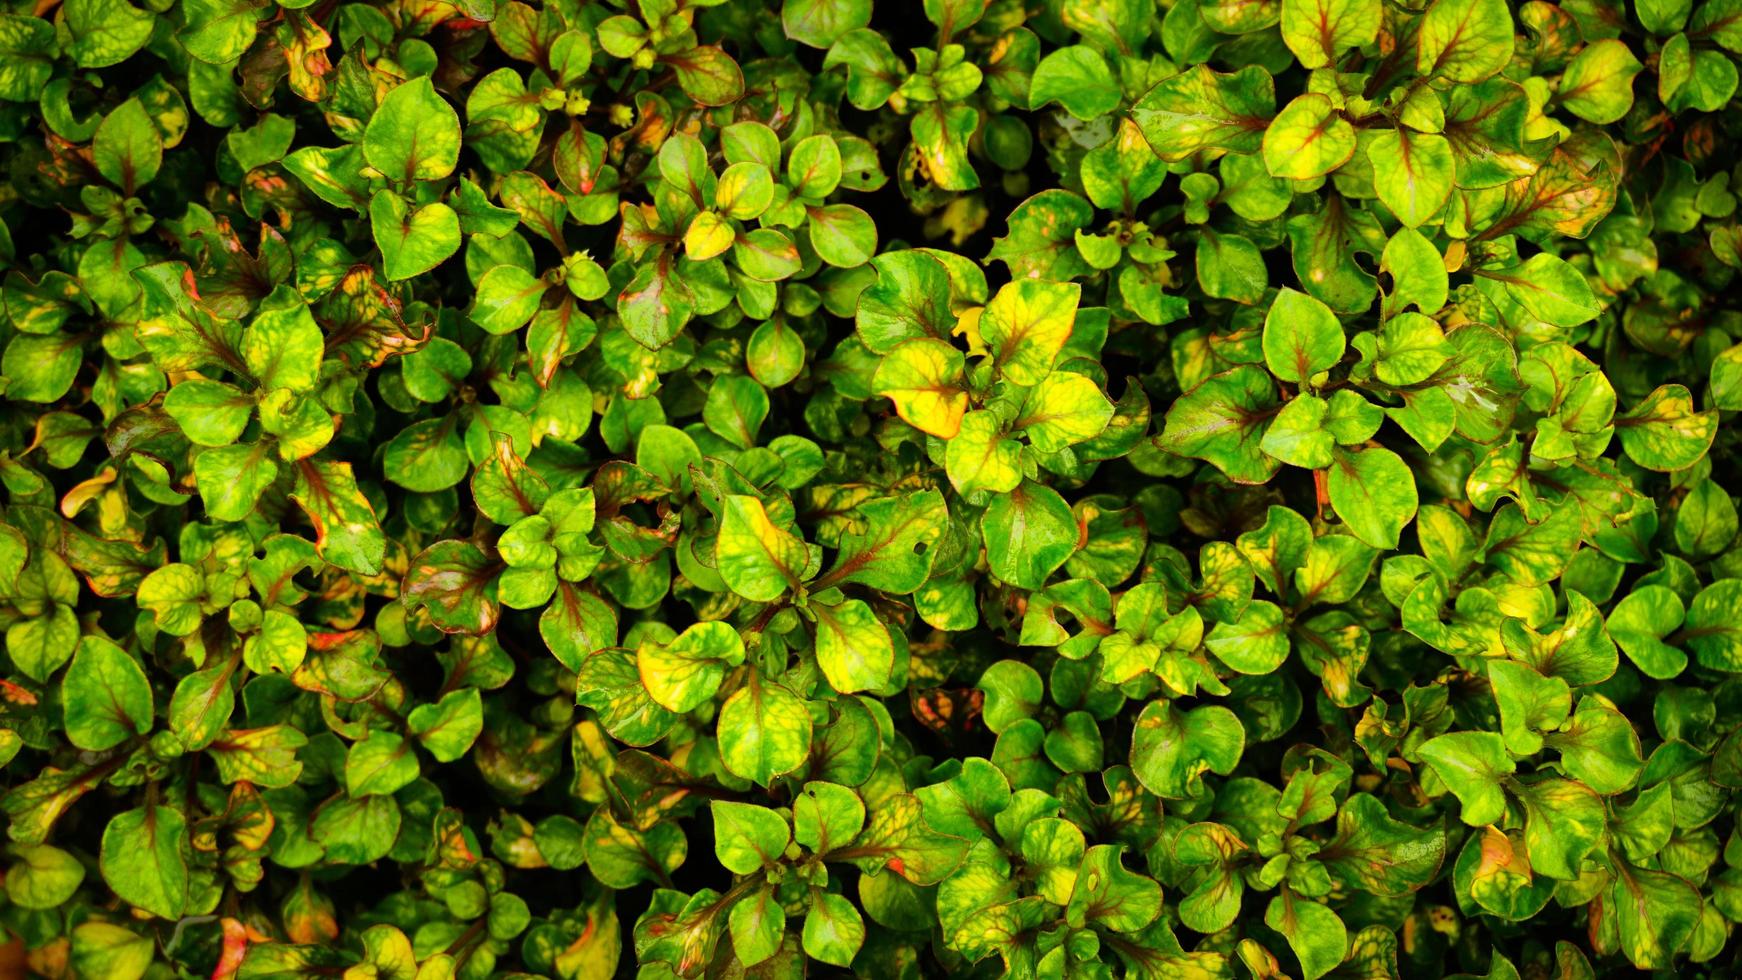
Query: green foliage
728, 488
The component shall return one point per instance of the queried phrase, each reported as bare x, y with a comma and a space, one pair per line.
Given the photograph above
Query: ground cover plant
1068, 488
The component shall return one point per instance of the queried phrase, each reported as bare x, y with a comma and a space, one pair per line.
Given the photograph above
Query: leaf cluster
769, 488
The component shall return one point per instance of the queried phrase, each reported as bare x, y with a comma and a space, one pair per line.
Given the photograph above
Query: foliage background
1079, 488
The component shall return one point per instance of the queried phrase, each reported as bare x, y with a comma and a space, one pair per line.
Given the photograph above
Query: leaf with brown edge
455, 584
364, 323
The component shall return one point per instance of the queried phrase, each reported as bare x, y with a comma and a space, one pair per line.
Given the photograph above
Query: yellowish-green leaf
923, 378
758, 560
1308, 138
1026, 325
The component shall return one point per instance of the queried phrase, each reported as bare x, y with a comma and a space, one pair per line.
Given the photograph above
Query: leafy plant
728, 488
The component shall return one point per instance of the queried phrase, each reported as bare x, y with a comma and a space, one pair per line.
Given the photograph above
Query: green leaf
853, 648
1076, 744
1110, 897
982, 457
1464, 40
506, 299
128, 150
1308, 138
1663, 17
145, 859
1062, 410
909, 299
758, 560
1706, 522
1208, 850
1578, 651
1597, 86
1078, 79
457, 585
820, 23
412, 242
1298, 435
379, 765
1550, 289
622, 857
201, 707
757, 924
27, 44
448, 728
708, 75
1302, 337
684, 674
1203, 109
1256, 643
1530, 704
895, 551
1472, 765
940, 137
1028, 532
1713, 631
1315, 933
1413, 173
413, 135
656, 304
1411, 346
609, 683
1013, 691
101, 949
1640, 622
1726, 379
1373, 492
358, 831
427, 456
748, 838
1231, 267
1172, 748
105, 696
1318, 31
873, 70
106, 32
334, 175
844, 236
1599, 748
896, 839
41, 368
210, 413
826, 816
42, 877
1564, 821
232, 479
1379, 855
764, 731
1042, 243
219, 31
283, 347
1655, 914
1664, 432
735, 410
1027, 324
1223, 421
1417, 270
833, 930
347, 533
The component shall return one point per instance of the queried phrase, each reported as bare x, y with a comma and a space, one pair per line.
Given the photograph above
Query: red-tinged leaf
708, 75
363, 322
347, 533
456, 584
